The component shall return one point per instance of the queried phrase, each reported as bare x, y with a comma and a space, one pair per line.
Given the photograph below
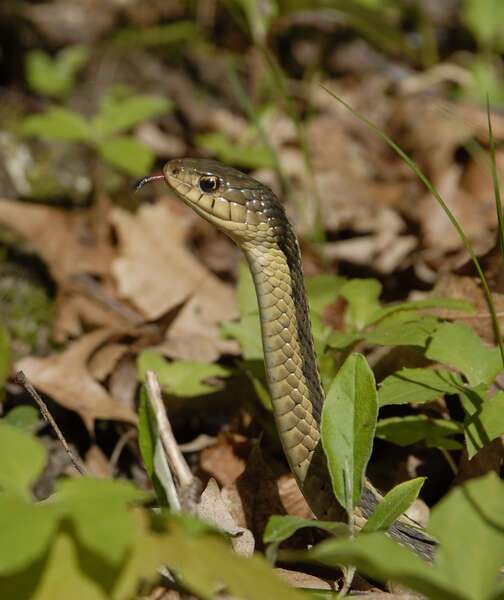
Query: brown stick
23, 381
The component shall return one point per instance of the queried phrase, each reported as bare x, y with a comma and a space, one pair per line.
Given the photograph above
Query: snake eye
208, 184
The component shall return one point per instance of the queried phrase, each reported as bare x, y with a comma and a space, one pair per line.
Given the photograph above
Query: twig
123, 440
23, 381
175, 458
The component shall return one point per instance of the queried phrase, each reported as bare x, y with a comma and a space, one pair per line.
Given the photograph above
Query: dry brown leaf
65, 377
62, 239
292, 499
225, 460
157, 274
105, 359
212, 508
305, 580
97, 464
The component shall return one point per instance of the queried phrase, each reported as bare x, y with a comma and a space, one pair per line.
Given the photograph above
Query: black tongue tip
141, 182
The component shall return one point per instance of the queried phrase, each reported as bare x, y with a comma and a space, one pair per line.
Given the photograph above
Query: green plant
104, 132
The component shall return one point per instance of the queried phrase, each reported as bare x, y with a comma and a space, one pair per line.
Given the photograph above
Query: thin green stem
441, 202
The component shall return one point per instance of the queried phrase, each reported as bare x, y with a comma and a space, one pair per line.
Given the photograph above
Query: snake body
250, 214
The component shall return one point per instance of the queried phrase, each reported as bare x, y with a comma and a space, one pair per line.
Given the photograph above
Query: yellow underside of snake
250, 214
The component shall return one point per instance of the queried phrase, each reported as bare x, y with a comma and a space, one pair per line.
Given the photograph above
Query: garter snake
251, 215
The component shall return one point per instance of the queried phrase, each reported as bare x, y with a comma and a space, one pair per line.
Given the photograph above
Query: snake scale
251, 215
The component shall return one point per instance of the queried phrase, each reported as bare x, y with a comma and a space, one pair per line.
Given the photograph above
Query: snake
253, 217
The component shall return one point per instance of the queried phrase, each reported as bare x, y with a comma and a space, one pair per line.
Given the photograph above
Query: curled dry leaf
305, 580
66, 378
225, 460
157, 274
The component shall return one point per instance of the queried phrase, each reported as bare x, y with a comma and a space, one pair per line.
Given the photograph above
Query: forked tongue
139, 184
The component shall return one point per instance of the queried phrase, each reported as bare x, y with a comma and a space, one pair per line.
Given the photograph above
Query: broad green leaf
469, 524
23, 458
126, 153
148, 438
340, 340
377, 556
484, 419
348, 424
485, 18
408, 430
322, 290
57, 123
418, 386
398, 330
4, 354
54, 77
22, 417
180, 377
99, 510
118, 115
392, 506
26, 530
449, 303
461, 347
362, 297
247, 331
240, 155
281, 527
247, 298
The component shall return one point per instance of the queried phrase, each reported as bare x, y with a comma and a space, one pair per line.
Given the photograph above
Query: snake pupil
208, 184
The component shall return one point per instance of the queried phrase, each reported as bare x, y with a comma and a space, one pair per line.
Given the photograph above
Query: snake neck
291, 367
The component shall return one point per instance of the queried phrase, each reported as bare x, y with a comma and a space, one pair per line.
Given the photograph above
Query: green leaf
340, 340
418, 386
254, 370
348, 424
4, 354
240, 155
399, 329
247, 297
393, 505
167, 34
118, 115
461, 347
57, 123
281, 527
322, 290
260, 16
127, 154
469, 524
22, 417
23, 458
99, 511
362, 297
26, 531
485, 18
180, 377
484, 419
54, 77
448, 303
376, 555
247, 331
408, 430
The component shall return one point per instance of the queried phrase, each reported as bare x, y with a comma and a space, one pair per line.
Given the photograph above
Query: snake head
235, 203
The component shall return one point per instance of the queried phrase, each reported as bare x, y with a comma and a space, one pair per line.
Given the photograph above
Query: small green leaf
57, 123
322, 290
399, 330
418, 386
340, 340
119, 115
4, 355
257, 375
127, 154
54, 77
393, 505
22, 417
160, 35
180, 377
449, 303
240, 155
247, 331
484, 419
247, 297
461, 347
281, 527
99, 511
23, 458
362, 297
26, 531
348, 424
408, 430
485, 18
